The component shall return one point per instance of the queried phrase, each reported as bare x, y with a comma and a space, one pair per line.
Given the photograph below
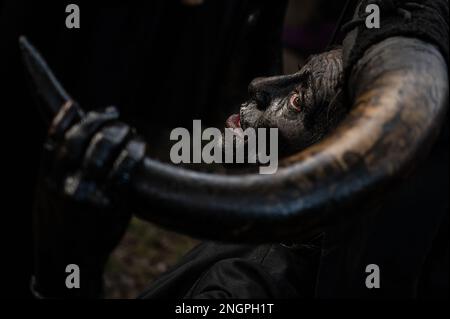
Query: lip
234, 121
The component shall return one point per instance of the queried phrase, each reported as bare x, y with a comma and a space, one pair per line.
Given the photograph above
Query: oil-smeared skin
318, 87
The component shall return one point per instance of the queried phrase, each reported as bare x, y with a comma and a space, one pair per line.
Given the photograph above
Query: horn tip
23, 42
26, 47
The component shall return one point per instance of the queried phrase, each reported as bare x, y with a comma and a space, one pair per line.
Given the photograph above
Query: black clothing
163, 65
215, 270
423, 19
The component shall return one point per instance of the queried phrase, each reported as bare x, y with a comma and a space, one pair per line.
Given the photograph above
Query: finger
83, 190
78, 137
103, 150
67, 116
129, 157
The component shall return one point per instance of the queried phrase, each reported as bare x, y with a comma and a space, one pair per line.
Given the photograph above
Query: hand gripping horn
399, 91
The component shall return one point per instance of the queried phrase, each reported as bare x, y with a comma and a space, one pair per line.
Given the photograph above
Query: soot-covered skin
304, 106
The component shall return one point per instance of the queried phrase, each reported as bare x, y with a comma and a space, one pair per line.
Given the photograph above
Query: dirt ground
145, 252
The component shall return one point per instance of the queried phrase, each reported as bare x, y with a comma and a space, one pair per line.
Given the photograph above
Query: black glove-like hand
79, 215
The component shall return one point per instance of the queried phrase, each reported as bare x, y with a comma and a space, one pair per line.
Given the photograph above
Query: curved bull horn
400, 93
50, 92
400, 97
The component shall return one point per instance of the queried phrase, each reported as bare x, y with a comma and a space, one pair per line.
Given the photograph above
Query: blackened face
303, 106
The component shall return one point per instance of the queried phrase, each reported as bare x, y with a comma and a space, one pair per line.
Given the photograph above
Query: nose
263, 89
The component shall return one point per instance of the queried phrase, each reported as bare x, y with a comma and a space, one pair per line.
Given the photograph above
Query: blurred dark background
163, 63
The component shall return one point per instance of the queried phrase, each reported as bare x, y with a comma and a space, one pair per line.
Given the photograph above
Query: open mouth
234, 121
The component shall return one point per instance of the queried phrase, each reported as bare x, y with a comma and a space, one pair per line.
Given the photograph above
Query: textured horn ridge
400, 93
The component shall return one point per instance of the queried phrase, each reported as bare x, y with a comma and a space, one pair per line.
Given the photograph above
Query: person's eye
296, 102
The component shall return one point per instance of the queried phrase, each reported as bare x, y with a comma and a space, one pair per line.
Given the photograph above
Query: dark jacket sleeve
423, 19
